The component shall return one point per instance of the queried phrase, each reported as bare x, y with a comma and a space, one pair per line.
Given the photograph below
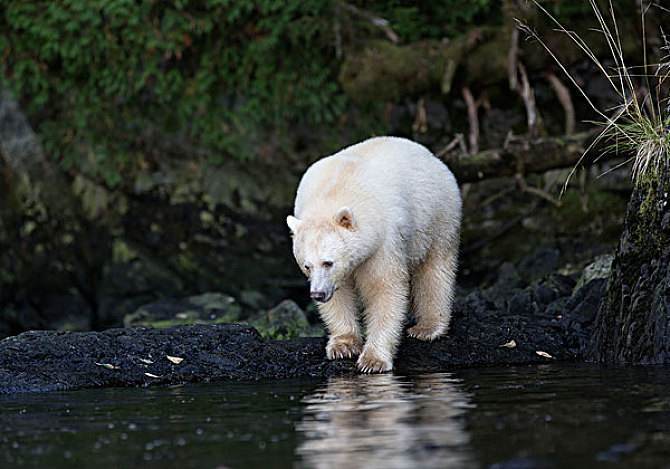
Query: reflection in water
386, 421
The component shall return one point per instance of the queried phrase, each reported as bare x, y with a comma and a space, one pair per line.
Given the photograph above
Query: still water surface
522, 417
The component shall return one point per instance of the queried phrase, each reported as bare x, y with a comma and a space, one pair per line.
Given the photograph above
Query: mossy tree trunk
633, 324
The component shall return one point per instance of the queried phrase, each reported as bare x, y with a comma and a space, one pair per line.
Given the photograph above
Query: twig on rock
564, 97
473, 120
525, 187
528, 96
459, 141
420, 124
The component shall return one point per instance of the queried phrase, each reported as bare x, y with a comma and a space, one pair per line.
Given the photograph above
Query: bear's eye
327, 264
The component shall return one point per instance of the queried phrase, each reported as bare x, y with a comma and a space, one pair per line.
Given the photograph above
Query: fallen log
381, 70
521, 156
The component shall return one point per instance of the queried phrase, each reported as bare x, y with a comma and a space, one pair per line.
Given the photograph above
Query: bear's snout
320, 296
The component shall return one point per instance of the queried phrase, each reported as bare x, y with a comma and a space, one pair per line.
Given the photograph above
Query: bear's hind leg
433, 294
339, 314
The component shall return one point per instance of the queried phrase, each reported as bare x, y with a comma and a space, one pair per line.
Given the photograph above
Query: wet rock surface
545, 321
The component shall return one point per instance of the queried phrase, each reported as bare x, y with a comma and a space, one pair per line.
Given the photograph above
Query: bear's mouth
323, 296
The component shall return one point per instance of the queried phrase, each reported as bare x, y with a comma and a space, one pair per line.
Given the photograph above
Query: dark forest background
149, 150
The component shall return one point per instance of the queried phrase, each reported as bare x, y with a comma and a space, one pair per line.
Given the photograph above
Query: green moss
385, 71
651, 209
187, 263
5, 276
121, 252
413, 21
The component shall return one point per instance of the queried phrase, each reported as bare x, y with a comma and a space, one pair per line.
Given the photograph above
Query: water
523, 417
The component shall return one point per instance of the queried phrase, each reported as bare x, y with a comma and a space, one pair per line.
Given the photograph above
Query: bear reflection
386, 421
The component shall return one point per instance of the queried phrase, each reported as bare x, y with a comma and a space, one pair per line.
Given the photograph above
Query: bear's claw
369, 362
426, 333
344, 346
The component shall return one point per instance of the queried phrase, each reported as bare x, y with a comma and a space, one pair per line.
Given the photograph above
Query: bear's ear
345, 218
293, 223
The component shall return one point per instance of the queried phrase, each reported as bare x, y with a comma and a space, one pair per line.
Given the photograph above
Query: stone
207, 308
285, 321
600, 268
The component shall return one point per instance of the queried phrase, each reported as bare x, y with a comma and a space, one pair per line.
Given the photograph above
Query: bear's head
322, 249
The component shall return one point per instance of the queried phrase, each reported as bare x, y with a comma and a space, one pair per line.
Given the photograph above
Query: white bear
378, 224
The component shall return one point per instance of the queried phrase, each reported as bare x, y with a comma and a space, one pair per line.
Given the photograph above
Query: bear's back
398, 176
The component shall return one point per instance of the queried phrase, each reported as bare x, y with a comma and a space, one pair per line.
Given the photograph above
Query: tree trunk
633, 324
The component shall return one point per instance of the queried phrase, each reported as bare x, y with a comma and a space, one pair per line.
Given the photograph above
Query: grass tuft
639, 124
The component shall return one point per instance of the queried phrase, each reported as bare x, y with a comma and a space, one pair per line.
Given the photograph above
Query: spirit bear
377, 225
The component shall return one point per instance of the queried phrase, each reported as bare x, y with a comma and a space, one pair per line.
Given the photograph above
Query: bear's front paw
371, 362
427, 333
343, 346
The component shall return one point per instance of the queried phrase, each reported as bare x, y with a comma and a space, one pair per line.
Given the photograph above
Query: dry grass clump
639, 124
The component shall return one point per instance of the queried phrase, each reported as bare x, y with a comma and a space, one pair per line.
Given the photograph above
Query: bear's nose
318, 295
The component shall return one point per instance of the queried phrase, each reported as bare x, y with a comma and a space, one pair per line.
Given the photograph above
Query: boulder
207, 308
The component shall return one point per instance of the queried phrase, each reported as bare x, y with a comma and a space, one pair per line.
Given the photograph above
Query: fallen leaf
109, 366
151, 375
175, 360
543, 354
146, 361
510, 344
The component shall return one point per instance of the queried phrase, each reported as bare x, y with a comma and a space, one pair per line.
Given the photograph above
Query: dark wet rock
507, 280
67, 312
49, 361
543, 317
505, 226
133, 281
578, 314
539, 264
207, 308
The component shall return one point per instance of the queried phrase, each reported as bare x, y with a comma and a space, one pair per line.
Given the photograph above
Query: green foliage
434, 20
567, 10
111, 85
103, 77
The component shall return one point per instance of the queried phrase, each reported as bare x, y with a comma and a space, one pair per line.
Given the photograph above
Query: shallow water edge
518, 416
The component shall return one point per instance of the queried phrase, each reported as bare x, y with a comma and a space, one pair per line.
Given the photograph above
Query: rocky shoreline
508, 323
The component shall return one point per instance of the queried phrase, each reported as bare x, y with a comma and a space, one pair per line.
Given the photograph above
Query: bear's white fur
378, 222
